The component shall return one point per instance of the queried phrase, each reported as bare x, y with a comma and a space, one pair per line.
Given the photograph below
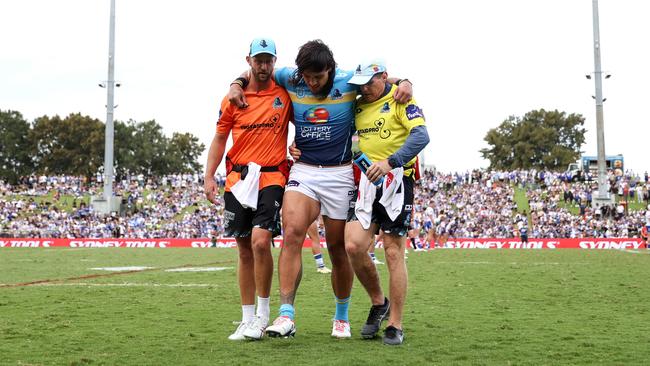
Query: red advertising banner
483, 243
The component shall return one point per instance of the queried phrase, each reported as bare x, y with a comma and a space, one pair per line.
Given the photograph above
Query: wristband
392, 161
403, 80
241, 81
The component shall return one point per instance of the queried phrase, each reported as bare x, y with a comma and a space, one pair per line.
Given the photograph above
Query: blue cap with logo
262, 45
366, 71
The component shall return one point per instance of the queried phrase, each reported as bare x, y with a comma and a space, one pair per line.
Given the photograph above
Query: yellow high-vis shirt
384, 125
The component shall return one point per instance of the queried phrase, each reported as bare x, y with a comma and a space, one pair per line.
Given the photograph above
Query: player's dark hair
315, 56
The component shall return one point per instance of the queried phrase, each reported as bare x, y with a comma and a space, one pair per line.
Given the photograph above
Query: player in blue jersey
321, 181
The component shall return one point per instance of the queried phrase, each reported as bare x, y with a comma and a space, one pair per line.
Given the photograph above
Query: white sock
248, 313
319, 260
263, 308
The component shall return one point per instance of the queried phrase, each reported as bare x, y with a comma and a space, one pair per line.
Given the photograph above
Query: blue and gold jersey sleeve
283, 75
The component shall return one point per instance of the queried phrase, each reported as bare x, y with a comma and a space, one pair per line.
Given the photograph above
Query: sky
473, 63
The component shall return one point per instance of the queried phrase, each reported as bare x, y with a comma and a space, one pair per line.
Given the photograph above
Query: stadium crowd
173, 206
482, 204
477, 204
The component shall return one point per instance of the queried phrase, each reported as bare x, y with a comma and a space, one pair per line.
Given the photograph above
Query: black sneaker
393, 336
376, 315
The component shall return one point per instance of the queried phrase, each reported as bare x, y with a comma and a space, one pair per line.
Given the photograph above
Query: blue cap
262, 45
366, 71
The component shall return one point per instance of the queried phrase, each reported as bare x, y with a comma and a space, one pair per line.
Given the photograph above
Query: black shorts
239, 221
401, 225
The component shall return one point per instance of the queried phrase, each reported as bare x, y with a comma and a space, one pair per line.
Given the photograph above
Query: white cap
366, 71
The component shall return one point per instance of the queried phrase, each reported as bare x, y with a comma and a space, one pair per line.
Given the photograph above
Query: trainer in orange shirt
256, 175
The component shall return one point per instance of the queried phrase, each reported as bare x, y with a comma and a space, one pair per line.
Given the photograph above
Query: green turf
521, 200
465, 307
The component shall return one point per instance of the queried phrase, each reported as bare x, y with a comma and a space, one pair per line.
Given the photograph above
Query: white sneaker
239, 332
377, 261
282, 326
324, 270
341, 329
255, 329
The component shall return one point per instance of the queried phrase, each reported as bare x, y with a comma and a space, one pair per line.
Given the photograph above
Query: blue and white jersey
324, 127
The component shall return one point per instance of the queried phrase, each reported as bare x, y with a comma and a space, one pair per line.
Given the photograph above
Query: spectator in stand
172, 206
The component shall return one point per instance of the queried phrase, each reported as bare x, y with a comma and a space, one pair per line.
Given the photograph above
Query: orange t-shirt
259, 132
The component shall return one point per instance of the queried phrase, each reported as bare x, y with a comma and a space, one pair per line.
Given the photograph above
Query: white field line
634, 251
514, 263
198, 269
178, 269
130, 284
120, 269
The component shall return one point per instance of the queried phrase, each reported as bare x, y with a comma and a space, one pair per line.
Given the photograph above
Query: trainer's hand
404, 92
236, 96
294, 151
377, 170
211, 189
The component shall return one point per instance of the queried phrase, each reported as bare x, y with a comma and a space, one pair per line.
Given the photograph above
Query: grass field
465, 307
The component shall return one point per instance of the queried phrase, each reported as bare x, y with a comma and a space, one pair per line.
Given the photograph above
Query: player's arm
215, 155
404, 91
416, 141
217, 149
294, 151
236, 92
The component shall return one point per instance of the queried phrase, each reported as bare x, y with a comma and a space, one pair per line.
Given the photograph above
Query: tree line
544, 140
74, 145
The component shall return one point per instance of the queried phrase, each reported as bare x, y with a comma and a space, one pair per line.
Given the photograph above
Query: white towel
247, 190
392, 196
365, 199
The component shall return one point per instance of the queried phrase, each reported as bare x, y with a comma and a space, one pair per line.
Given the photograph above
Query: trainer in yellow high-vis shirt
390, 135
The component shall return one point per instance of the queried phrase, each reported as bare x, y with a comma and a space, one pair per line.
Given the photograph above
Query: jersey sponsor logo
317, 115
254, 126
277, 103
336, 94
379, 129
275, 119
273, 123
318, 133
413, 111
385, 108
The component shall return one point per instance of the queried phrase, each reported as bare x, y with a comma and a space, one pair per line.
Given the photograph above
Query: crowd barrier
483, 243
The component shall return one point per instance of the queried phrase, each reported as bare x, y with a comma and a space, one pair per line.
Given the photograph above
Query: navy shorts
239, 221
401, 225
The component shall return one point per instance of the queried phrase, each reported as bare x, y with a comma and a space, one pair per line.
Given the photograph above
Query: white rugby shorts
333, 187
